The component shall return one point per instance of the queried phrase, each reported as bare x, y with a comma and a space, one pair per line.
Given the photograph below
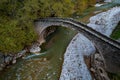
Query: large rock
35, 48
106, 22
98, 5
5, 60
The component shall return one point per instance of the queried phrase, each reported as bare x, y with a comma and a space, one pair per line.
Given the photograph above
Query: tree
17, 16
81, 5
16, 31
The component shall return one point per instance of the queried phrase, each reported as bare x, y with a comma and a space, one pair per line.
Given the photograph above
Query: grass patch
114, 76
116, 32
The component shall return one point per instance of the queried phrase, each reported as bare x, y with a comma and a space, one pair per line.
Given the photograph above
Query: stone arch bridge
109, 48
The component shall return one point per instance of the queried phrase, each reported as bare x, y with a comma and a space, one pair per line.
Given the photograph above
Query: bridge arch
41, 29
109, 48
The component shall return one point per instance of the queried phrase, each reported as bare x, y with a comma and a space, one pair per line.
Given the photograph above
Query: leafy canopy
17, 16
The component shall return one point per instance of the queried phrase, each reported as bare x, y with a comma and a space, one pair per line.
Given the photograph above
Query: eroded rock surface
74, 67
106, 22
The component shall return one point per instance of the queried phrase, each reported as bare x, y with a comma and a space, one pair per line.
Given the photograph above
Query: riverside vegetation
17, 16
17, 30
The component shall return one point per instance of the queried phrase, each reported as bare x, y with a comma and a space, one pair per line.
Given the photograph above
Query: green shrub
17, 16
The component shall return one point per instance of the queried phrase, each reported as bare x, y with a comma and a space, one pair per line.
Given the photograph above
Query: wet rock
14, 61
98, 5
20, 54
2, 66
35, 48
8, 59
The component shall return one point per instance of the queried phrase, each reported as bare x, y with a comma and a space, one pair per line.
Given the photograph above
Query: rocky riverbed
105, 22
74, 66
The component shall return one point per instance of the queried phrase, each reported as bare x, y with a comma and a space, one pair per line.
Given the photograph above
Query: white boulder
98, 5
35, 48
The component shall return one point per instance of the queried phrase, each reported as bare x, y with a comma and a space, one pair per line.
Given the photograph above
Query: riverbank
47, 65
74, 67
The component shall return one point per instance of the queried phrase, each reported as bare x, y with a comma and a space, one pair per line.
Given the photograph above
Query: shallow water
45, 66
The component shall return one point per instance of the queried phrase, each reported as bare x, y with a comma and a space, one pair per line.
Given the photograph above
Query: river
45, 66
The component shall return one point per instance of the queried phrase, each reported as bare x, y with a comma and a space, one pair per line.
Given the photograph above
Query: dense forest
17, 17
